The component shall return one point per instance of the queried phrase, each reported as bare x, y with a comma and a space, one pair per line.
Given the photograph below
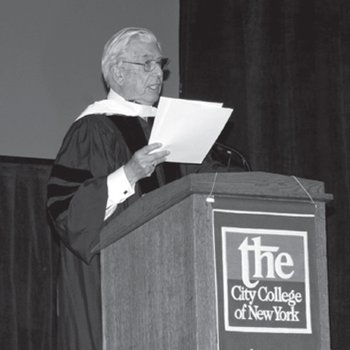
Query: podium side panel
322, 276
148, 287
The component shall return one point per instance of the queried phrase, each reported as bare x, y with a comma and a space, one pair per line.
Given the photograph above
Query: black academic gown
94, 147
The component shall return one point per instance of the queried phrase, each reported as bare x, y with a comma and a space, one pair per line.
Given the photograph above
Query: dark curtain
28, 257
284, 65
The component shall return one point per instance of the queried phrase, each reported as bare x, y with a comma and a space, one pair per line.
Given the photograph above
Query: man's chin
152, 97
149, 97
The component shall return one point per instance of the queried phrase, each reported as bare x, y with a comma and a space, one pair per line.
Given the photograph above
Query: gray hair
117, 45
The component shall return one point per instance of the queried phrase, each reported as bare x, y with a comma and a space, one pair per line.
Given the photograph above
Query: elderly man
103, 165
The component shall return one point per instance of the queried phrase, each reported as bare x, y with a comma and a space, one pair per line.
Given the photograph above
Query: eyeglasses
150, 65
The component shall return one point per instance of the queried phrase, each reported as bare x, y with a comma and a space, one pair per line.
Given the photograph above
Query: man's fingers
144, 161
159, 156
153, 146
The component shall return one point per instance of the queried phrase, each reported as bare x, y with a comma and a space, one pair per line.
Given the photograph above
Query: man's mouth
155, 86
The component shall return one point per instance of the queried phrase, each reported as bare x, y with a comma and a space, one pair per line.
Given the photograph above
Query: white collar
116, 104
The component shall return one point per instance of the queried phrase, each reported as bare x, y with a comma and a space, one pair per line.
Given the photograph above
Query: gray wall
50, 63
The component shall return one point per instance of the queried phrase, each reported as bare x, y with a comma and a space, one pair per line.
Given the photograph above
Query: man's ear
118, 73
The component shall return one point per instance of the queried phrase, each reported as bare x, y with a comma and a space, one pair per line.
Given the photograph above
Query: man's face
138, 85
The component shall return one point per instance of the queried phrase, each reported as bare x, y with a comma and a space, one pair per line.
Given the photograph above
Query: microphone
230, 151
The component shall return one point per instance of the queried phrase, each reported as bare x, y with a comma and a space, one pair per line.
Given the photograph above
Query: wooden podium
243, 270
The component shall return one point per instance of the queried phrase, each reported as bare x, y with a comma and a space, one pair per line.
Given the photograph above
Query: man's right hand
144, 161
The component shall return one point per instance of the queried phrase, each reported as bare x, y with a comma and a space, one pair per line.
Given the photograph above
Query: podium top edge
258, 184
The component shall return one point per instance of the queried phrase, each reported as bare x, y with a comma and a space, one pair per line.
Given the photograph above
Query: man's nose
158, 70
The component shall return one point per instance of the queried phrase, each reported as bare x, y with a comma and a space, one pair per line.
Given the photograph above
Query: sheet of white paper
188, 129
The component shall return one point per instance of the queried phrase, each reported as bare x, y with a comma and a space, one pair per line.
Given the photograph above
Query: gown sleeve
77, 188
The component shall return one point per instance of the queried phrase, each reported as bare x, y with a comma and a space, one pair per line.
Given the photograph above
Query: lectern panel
267, 266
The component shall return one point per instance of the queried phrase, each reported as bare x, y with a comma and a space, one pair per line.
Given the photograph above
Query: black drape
28, 257
285, 67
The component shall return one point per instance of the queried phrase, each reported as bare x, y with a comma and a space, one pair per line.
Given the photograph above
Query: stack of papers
187, 128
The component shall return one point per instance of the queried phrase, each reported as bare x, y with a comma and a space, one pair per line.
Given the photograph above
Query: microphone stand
230, 151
